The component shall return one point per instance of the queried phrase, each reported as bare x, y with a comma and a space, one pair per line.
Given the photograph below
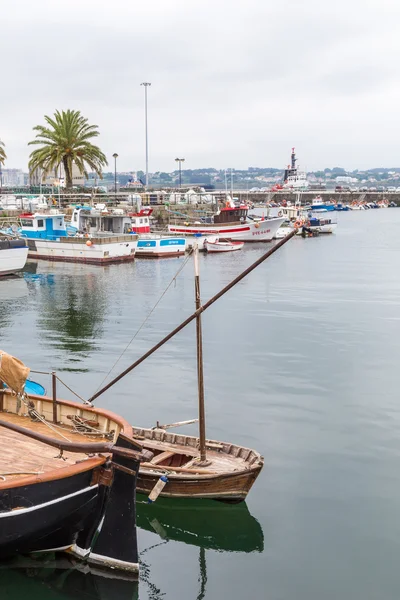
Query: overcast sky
234, 83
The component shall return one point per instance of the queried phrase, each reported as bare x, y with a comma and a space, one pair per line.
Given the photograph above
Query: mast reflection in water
207, 524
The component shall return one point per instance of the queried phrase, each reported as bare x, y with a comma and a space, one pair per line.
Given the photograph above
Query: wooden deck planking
20, 454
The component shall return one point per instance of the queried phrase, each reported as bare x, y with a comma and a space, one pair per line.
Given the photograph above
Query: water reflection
47, 578
71, 307
207, 524
13, 294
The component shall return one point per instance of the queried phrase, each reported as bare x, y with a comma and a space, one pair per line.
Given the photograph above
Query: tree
66, 140
3, 155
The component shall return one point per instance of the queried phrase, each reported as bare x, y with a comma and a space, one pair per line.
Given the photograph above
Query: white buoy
157, 489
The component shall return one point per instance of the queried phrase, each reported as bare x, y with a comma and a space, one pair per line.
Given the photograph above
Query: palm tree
66, 140
3, 155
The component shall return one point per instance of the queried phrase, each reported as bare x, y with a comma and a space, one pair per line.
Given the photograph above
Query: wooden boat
80, 500
229, 475
194, 467
222, 245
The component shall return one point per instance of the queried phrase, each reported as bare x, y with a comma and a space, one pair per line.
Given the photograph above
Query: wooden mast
194, 315
200, 376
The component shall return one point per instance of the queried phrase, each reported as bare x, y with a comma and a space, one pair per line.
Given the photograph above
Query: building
12, 177
57, 176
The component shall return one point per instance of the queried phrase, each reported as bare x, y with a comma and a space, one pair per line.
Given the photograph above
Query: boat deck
185, 458
21, 455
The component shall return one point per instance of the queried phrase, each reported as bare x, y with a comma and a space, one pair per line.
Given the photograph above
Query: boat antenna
194, 315
200, 377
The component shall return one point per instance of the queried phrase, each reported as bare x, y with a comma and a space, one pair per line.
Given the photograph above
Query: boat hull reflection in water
204, 523
54, 577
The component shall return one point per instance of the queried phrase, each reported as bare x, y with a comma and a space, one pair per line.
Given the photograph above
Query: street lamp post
146, 84
115, 156
180, 161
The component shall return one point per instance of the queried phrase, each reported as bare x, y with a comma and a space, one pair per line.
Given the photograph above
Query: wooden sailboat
194, 467
79, 500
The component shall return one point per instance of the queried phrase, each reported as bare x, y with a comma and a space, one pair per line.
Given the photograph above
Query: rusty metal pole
200, 376
54, 386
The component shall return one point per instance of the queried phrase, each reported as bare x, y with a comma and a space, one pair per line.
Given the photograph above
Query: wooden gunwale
86, 448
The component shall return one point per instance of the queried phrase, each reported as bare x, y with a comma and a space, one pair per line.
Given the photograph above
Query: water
301, 363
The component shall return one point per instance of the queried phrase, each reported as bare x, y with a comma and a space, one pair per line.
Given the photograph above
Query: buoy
157, 489
88, 243
257, 225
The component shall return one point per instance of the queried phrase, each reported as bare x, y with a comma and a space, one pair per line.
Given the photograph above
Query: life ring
280, 213
298, 223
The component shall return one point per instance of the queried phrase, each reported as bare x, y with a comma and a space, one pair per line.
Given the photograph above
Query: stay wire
146, 319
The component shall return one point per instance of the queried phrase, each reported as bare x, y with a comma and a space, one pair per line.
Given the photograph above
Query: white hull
77, 250
158, 247
282, 232
219, 246
12, 260
262, 231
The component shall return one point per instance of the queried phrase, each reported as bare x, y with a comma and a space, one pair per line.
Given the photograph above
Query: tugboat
293, 178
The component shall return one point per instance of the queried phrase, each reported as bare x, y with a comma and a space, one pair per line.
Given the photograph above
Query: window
26, 222
40, 223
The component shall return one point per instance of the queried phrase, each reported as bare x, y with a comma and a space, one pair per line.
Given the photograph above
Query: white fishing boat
231, 223
221, 245
13, 254
47, 239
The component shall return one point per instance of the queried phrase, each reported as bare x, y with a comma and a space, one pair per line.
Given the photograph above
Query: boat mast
200, 375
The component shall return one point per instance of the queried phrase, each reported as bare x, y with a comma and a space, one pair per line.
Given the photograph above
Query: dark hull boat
59, 490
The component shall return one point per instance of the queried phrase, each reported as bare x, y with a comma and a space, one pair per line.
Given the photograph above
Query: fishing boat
13, 254
231, 223
221, 245
185, 466
319, 223
319, 205
80, 500
48, 239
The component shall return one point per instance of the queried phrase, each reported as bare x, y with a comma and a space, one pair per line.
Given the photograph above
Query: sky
233, 83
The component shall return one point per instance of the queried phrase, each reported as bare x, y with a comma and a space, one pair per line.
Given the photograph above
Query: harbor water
301, 362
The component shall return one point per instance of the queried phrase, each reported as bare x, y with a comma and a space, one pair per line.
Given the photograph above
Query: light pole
115, 156
146, 84
180, 161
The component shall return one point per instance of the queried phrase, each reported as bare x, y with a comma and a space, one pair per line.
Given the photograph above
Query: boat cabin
93, 221
231, 215
39, 226
141, 220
